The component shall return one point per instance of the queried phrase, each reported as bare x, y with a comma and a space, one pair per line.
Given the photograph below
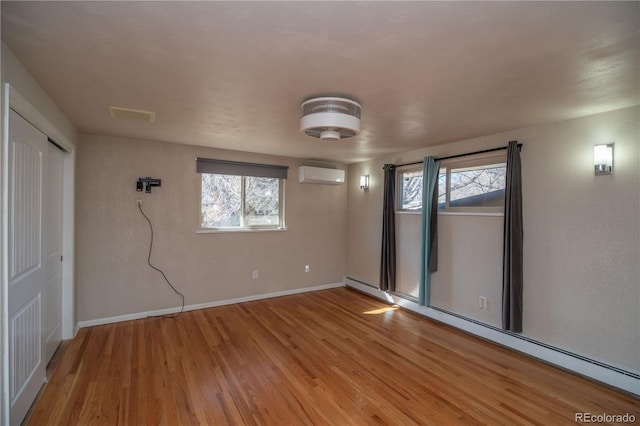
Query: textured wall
581, 238
112, 237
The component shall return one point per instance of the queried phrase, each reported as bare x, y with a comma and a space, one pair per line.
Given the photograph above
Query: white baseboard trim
596, 371
160, 312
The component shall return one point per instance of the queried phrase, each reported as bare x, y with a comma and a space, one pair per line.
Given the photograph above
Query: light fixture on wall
364, 182
603, 159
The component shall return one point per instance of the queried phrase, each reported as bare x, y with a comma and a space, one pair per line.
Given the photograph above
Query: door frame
12, 99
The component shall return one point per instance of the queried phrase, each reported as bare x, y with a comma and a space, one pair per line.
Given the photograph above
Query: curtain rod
461, 155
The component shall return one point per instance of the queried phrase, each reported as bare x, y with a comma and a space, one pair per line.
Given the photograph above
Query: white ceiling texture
233, 74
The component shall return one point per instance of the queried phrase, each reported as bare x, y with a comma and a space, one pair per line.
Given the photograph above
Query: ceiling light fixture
330, 118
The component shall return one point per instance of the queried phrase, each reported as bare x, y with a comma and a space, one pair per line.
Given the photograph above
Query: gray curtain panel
512, 255
388, 259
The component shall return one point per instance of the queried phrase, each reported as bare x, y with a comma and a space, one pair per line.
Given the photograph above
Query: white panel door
52, 307
26, 269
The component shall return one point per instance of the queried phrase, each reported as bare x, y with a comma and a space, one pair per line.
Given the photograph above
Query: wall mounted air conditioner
308, 174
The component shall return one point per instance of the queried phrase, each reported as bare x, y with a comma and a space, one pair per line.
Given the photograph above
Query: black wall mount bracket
147, 183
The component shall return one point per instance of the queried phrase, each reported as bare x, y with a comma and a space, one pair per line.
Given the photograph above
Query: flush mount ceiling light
330, 118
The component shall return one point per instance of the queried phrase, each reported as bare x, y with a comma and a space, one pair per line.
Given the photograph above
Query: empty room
320, 213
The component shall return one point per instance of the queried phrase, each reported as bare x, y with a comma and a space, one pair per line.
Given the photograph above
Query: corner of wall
16, 74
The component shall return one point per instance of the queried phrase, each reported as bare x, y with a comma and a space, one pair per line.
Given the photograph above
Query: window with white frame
478, 186
236, 200
410, 189
471, 186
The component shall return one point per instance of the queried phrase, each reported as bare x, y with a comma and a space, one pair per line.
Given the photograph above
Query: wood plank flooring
333, 357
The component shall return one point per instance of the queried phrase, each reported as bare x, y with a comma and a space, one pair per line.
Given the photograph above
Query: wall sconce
603, 159
364, 182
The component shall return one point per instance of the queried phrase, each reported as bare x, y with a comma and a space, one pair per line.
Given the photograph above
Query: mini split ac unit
308, 174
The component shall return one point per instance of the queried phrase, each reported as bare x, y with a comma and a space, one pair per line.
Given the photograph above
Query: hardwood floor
51, 368
333, 357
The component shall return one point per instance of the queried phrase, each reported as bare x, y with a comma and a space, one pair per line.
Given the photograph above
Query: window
475, 185
410, 190
238, 199
240, 202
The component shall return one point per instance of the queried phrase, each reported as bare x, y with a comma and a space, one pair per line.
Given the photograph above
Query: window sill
239, 230
471, 213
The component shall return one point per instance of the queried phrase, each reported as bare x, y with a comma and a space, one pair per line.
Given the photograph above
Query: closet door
52, 324
26, 264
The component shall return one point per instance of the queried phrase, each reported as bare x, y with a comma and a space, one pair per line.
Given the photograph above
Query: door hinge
60, 258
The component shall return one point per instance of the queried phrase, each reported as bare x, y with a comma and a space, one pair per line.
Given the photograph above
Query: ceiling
233, 74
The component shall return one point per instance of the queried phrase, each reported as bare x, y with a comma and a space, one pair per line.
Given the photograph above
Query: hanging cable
160, 270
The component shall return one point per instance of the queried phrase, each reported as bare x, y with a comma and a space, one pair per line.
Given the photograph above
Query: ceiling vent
134, 114
330, 119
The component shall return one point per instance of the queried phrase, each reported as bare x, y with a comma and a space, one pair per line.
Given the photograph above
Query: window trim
244, 228
231, 230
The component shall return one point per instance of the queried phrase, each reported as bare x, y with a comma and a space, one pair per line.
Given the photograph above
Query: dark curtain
388, 259
433, 234
513, 234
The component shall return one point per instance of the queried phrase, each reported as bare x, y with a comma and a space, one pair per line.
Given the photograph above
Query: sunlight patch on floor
381, 310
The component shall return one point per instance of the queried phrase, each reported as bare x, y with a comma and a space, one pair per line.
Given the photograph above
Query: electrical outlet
306, 268
254, 274
482, 302
139, 201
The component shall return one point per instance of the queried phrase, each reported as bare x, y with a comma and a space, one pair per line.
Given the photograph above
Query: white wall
581, 238
469, 266
581, 248
112, 238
